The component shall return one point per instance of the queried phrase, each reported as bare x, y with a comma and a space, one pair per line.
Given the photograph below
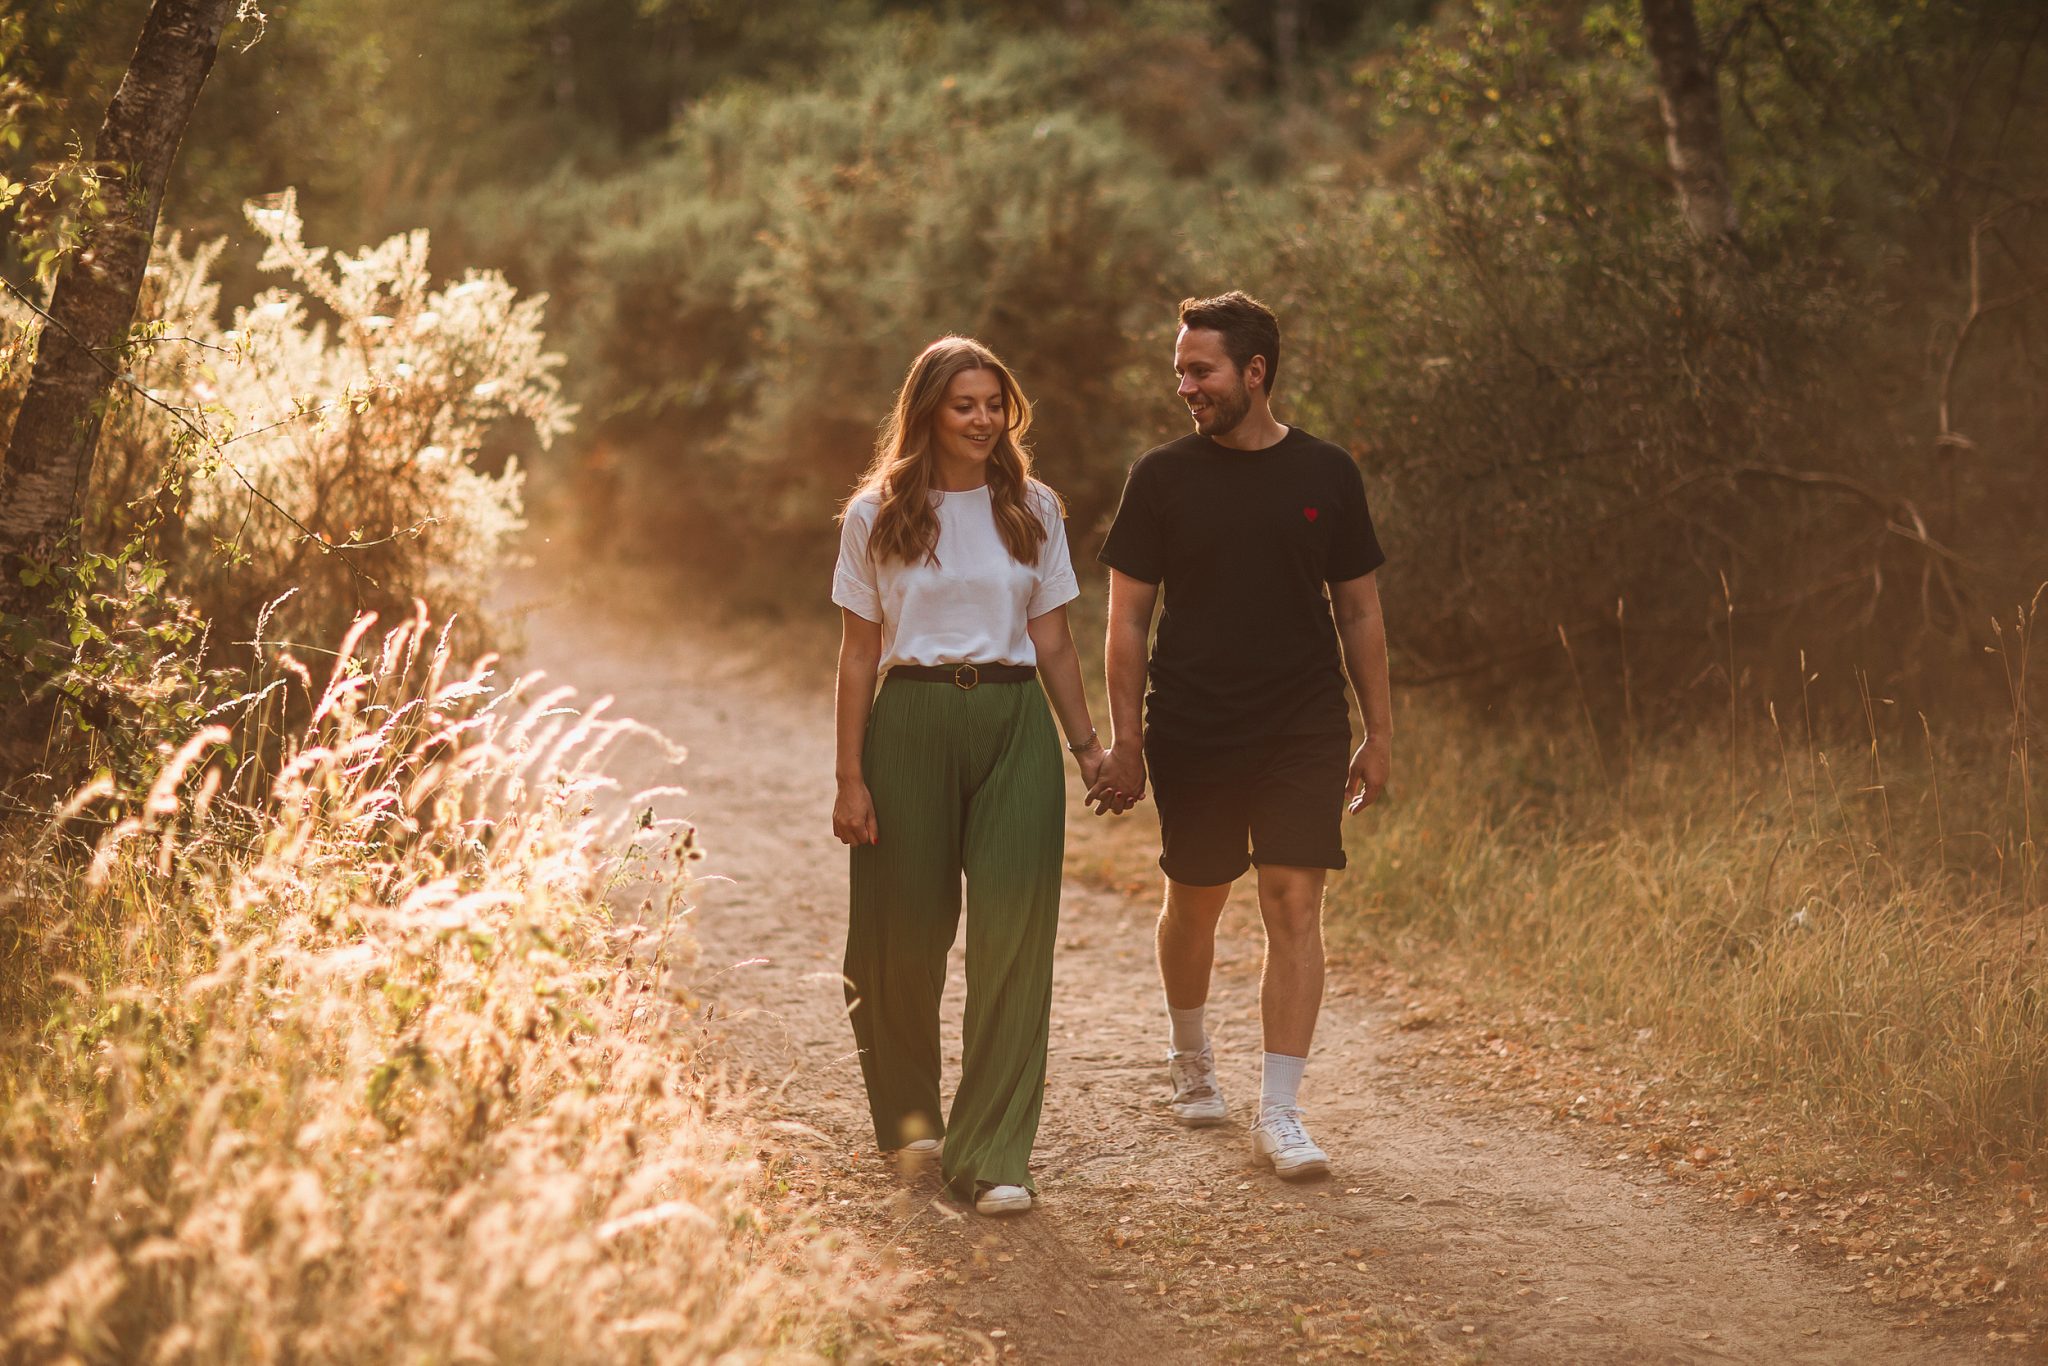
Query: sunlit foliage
333, 436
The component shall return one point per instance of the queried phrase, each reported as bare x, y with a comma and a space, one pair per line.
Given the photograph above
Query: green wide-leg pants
964, 782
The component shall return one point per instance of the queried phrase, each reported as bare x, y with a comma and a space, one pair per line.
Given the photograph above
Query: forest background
744, 220
1713, 496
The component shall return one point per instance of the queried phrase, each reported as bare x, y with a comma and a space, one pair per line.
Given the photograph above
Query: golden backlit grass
352, 1065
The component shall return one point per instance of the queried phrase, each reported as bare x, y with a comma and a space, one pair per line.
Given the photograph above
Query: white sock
1188, 1034
1280, 1082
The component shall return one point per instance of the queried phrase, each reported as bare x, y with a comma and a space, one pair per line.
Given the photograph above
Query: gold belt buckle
970, 674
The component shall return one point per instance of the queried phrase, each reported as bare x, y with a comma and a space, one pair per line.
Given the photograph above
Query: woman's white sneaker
1001, 1200
1197, 1101
1281, 1142
915, 1156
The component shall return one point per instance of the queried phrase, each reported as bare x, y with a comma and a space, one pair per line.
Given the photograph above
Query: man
1244, 524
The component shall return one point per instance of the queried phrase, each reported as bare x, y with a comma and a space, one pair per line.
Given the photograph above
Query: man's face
1210, 383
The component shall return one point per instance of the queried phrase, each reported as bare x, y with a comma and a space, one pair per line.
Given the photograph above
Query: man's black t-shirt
1243, 543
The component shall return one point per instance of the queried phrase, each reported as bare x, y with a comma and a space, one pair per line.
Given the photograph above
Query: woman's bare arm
860, 653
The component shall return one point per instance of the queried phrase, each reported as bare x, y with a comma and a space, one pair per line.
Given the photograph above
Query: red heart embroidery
1309, 513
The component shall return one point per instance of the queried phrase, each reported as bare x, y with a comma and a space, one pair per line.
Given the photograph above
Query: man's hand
1370, 768
1120, 782
853, 815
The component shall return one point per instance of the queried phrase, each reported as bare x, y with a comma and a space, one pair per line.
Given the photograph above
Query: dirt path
1453, 1228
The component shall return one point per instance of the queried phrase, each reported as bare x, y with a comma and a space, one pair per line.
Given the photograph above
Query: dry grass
1851, 926
1853, 929
352, 1065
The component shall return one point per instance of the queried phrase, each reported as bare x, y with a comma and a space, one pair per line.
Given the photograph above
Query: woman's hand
853, 815
1119, 781
1091, 760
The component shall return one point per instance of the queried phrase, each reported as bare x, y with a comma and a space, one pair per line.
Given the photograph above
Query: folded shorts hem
1208, 877
1333, 863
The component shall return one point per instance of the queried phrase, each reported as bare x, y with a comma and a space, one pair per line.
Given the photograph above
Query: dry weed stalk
360, 1069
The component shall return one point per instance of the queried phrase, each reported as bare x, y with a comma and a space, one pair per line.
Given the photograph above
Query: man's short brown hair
1247, 326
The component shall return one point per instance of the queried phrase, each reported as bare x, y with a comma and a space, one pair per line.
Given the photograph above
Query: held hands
1093, 761
1118, 782
1370, 768
853, 815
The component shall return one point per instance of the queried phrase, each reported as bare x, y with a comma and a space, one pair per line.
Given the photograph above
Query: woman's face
970, 418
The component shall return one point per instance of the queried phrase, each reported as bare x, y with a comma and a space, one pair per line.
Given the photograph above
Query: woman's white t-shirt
971, 605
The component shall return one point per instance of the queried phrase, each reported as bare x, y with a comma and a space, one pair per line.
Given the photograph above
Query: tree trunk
1691, 102
49, 460
1286, 45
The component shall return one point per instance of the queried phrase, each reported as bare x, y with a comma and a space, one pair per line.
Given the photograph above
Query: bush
335, 440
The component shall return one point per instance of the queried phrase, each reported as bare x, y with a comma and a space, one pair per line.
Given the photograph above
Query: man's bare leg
1186, 940
1291, 982
1290, 998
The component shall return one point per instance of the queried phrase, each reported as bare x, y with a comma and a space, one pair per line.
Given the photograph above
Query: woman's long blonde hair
906, 526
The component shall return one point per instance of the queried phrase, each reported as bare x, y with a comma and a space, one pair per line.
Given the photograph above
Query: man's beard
1225, 413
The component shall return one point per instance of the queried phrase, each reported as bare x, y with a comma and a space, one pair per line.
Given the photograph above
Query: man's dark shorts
1222, 810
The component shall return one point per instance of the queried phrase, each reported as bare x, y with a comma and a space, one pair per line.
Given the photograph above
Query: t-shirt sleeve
1056, 583
1135, 545
1356, 550
854, 585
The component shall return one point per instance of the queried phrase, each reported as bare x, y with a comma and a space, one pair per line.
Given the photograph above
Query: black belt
965, 676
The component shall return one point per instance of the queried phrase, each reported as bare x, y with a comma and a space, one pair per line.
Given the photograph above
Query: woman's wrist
850, 779
1087, 744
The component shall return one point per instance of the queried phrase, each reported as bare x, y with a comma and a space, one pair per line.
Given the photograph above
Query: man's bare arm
1131, 602
1362, 631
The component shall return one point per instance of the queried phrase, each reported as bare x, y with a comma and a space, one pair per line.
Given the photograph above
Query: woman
953, 580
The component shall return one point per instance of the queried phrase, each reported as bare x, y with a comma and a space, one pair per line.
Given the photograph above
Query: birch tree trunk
1691, 102
49, 460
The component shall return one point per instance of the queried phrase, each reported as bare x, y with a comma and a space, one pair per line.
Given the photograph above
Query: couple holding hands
953, 579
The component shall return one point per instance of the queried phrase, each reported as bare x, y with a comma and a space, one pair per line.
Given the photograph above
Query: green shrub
747, 304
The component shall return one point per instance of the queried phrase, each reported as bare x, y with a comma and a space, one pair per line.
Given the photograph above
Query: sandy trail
1453, 1227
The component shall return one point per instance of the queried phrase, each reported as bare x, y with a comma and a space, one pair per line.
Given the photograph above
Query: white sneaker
914, 1157
1197, 1101
1002, 1200
1279, 1141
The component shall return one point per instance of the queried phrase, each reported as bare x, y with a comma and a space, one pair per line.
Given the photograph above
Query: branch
1949, 437
1902, 515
